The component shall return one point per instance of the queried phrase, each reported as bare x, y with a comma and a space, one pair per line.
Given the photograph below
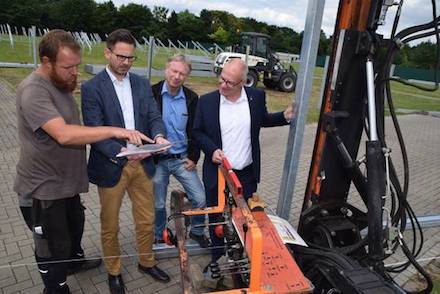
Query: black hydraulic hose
420, 36
415, 227
383, 79
421, 270
399, 138
404, 207
396, 19
411, 30
406, 176
336, 257
344, 250
415, 29
406, 184
405, 82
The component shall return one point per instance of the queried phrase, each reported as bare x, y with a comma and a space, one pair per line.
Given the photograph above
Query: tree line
210, 26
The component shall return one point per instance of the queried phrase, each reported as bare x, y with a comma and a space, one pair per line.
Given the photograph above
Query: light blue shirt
175, 117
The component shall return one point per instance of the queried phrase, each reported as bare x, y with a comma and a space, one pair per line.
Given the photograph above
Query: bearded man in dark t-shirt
51, 172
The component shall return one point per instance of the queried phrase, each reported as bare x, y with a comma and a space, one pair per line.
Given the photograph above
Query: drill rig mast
357, 85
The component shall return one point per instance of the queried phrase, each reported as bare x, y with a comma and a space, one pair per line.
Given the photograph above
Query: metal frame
309, 51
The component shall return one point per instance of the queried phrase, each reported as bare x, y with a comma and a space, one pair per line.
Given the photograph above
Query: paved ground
18, 273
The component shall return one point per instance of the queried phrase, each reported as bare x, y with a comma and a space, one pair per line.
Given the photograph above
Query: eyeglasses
122, 58
230, 84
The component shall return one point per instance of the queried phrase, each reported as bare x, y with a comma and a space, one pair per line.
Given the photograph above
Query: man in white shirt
227, 124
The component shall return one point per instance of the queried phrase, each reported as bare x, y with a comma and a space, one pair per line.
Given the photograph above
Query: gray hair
180, 58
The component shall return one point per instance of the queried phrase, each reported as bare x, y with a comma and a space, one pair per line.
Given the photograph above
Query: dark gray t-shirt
46, 170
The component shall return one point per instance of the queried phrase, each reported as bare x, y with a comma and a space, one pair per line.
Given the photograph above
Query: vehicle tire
270, 84
252, 79
287, 82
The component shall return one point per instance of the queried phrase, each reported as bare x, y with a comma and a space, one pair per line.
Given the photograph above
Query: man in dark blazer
177, 104
227, 124
115, 97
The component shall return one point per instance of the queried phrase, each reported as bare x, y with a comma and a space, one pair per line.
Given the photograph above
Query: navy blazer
207, 134
100, 107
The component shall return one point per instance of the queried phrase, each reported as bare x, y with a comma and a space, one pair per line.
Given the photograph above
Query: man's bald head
237, 66
232, 79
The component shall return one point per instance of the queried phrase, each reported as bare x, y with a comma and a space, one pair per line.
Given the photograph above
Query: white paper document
287, 233
143, 149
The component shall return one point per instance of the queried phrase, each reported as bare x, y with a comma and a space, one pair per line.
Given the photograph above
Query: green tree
159, 22
189, 25
75, 15
324, 44
106, 16
401, 57
20, 13
220, 36
207, 25
173, 27
228, 22
136, 18
423, 55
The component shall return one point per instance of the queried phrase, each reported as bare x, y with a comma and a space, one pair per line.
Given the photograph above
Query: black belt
172, 156
245, 170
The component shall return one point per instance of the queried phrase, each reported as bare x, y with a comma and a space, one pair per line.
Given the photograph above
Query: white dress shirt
235, 127
123, 91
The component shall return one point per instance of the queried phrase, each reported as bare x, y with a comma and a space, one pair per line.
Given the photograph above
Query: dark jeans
58, 226
249, 183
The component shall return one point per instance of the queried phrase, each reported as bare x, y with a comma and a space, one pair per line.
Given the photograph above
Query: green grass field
404, 97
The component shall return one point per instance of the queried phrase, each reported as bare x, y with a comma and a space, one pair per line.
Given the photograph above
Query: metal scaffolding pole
150, 56
34, 46
309, 49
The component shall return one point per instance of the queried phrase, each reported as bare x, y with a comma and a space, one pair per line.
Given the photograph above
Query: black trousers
57, 226
249, 184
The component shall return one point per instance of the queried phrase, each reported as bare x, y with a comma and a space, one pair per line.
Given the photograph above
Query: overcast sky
289, 13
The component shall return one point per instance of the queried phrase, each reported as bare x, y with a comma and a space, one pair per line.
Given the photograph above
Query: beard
61, 84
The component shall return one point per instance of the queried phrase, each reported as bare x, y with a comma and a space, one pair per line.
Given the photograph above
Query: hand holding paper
147, 149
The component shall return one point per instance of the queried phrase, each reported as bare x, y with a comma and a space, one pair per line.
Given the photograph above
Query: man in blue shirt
178, 104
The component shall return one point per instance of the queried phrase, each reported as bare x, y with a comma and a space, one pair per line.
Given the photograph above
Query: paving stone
18, 287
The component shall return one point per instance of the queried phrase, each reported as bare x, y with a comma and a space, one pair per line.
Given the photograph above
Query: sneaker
201, 239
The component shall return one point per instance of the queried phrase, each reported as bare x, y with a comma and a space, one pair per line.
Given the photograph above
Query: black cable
411, 30
338, 259
431, 25
400, 193
396, 20
400, 215
421, 270
420, 36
